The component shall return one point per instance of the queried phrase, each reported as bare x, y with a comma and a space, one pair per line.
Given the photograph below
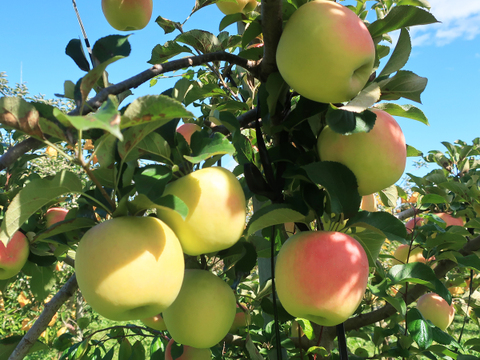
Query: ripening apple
321, 276
216, 210
187, 130
236, 6
127, 15
413, 223
377, 158
129, 268
434, 308
325, 52
242, 319
369, 203
55, 215
450, 220
401, 255
13, 256
203, 312
155, 322
189, 353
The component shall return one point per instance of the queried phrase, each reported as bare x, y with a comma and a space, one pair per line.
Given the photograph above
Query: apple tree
114, 158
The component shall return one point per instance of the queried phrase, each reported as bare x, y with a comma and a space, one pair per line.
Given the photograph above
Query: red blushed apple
187, 130
127, 15
376, 158
189, 353
450, 220
413, 223
321, 276
13, 256
434, 308
55, 215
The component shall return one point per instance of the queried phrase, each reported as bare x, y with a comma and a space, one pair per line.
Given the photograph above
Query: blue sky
448, 54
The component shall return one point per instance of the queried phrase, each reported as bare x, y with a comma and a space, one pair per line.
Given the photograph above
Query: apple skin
325, 52
129, 268
413, 223
229, 7
187, 130
401, 253
127, 15
155, 322
203, 312
450, 220
189, 353
216, 210
369, 203
321, 276
434, 308
55, 215
14, 256
376, 158
242, 319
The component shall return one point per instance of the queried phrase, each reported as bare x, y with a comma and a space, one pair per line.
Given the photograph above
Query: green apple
401, 255
434, 308
203, 312
187, 130
189, 353
127, 15
55, 215
236, 6
376, 158
325, 52
155, 322
216, 210
13, 256
129, 268
321, 276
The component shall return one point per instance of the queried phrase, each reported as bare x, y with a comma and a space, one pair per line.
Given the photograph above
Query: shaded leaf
406, 111
18, 114
168, 26
74, 49
161, 53
203, 41
400, 55
206, 147
404, 84
274, 214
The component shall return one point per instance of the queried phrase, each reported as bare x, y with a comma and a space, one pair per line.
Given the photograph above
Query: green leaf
18, 114
404, 84
138, 351
203, 41
254, 29
204, 148
406, 111
400, 17
273, 214
198, 92
372, 242
106, 118
368, 97
165, 203
151, 180
229, 20
125, 350
412, 152
348, 122
33, 196
420, 330
8, 344
65, 226
111, 47
400, 55
433, 199
161, 53
81, 349
168, 26
389, 196
471, 261
276, 88
74, 49
421, 3
150, 108
42, 282
307, 328
340, 184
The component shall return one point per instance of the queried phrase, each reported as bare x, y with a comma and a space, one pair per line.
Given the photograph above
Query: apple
189, 353
242, 319
14, 255
325, 52
434, 308
55, 215
216, 210
127, 15
129, 268
236, 6
413, 223
155, 322
187, 130
401, 254
369, 203
377, 158
321, 276
450, 220
203, 312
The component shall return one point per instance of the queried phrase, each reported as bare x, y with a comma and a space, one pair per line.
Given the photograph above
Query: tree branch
272, 25
47, 314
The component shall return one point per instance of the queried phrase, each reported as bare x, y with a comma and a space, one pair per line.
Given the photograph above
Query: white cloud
459, 20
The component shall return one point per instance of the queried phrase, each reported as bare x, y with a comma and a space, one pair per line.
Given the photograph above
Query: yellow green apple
13, 256
155, 322
325, 52
189, 353
377, 158
216, 210
203, 312
55, 215
369, 203
127, 15
434, 308
236, 6
321, 276
401, 255
187, 130
129, 268
242, 318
